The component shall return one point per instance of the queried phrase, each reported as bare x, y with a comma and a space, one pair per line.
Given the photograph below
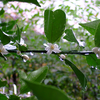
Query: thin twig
62, 52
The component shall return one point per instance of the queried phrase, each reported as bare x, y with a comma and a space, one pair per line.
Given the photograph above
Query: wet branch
62, 52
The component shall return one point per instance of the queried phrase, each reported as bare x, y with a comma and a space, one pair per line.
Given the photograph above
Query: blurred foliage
59, 75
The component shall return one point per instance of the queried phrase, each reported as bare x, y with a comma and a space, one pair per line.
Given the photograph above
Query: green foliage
92, 60
22, 47
14, 97
97, 36
91, 26
17, 36
28, 1
2, 11
7, 34
7, 26
70, 36
3, 97
54, 24
3, 83
44, 92
78, 73
37, 76
4, 37
1, 55
30, 98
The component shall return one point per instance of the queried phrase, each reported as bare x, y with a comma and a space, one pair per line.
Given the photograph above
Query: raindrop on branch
31, 54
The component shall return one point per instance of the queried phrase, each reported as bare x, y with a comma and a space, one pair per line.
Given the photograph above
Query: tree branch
62, 52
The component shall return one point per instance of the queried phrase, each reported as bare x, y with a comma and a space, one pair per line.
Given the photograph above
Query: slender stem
62, 52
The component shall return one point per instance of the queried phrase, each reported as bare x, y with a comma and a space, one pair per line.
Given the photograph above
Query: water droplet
31, 54
61, 59
96, 68
42, 53
24, 60
24, 32
97, 55
87, 54
92, 66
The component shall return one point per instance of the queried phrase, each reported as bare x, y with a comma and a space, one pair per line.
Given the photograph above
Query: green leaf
3, 83
78, 73
3, 24
91, 26
1, 55
37, 76
70, 36
54, 24
26, 27
97, 36
9, 32
14, 97
92, 60
22, 74
17, 36
28, 1
2, 11
6, 26
5, 39
43, 92
22, 47
3, 97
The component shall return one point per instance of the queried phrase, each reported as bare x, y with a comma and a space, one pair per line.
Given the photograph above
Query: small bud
26, 57
18, 52
62, 56
95, 50
98, 50
24, 45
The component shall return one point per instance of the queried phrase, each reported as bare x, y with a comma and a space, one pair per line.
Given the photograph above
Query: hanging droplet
24, 60
92, 66
42, 53
97, 55
61, 59
96, 68
24, 32
31, 54
86, 53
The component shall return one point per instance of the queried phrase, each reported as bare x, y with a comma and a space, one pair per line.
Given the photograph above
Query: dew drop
24, 32
92, 66
87, 54
31, 54
61, 59
42, 53
96, 68
24, 60
97, 55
